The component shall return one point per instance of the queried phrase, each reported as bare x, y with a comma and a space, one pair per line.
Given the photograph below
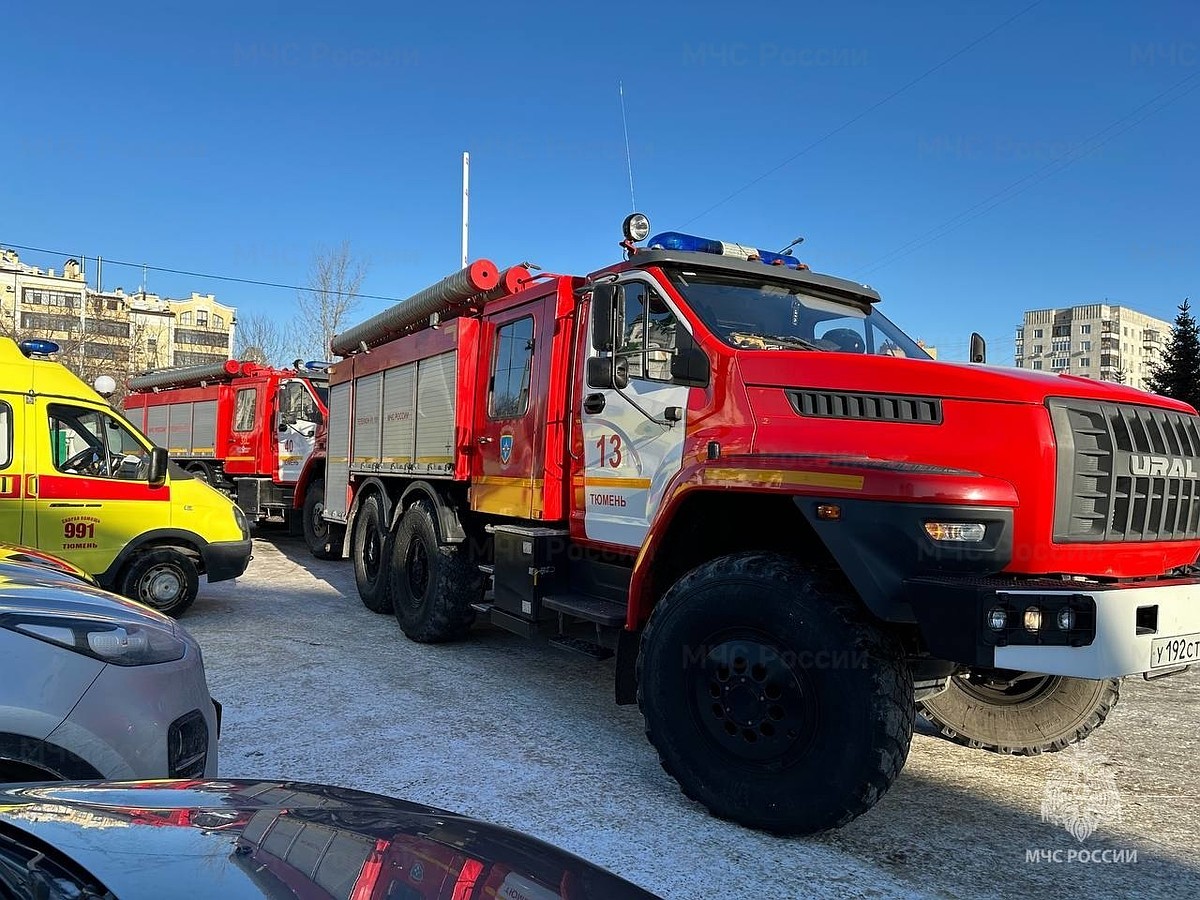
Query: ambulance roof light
38, 347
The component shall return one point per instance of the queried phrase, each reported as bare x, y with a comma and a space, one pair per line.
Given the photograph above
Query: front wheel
164, 579
318, 533
770, 696
1019, 713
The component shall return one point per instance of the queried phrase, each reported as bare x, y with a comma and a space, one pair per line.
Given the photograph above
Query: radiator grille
1125, 473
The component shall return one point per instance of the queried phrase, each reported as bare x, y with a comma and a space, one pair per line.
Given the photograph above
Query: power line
206, 275
870, 109
1062, 161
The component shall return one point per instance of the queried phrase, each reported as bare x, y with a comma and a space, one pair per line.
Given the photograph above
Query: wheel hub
416, 566
162, 586
752, 701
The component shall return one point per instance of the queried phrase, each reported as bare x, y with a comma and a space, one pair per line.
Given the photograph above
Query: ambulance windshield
777, 315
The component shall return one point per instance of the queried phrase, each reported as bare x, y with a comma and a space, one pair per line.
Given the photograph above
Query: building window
511, 370
1037, 332
1062, 331
1085, 346
112, 305
218, 321
1060, 363
1060, 347
1037, 348
185, 318
1037, 363
1085, 329
1085, 361
152, 347
202, 318
51, 298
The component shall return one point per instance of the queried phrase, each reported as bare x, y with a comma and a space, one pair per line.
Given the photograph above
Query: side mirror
157, 474
608, 309
978, 348
689, 364
608, 372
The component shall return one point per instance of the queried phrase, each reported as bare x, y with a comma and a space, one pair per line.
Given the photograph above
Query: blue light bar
38, 347
315, 365
674, 240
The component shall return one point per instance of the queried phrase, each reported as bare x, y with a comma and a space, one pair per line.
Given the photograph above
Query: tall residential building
110, 332
1109, 343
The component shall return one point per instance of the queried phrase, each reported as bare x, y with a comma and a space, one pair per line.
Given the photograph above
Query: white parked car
93, 685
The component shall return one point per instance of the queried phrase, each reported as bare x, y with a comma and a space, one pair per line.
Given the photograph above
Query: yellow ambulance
77, 480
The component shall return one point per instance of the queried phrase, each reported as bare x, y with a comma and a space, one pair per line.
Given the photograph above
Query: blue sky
234, 138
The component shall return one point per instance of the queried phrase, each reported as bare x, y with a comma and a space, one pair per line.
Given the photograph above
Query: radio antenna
788, 249
628, 155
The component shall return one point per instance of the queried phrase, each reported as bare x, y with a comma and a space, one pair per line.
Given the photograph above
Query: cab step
578, 645
487, 568
482, 607
590, 609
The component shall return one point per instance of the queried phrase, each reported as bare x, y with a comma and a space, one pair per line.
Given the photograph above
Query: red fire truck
245, 428
790, 525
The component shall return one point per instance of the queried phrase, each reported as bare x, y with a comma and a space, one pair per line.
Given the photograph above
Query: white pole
465, 199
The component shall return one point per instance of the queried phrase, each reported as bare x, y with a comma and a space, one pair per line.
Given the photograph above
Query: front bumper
1125, 628
226, 559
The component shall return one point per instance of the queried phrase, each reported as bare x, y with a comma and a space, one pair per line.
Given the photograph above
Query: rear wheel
319, 534
771, 698
164, 579
370, 562
433, 586
1020, 713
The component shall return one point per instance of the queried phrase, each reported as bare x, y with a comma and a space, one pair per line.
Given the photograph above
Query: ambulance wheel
433, 585
319, 534
770, 696
367, 551
1020, 714
164, 579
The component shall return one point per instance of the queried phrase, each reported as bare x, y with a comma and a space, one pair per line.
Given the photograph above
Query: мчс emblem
506, 447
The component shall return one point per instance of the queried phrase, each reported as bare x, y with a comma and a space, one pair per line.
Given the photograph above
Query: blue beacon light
674, 240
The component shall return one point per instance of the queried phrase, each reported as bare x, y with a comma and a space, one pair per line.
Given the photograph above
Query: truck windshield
775, 315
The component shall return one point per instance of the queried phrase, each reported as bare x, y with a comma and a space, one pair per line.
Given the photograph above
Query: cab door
508, 462
631, 450
11, 457
91, 493
297, 419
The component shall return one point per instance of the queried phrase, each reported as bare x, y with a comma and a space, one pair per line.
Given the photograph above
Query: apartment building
110, 332
1097, 340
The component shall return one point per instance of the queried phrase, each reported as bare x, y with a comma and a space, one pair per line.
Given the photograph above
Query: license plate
1175, 651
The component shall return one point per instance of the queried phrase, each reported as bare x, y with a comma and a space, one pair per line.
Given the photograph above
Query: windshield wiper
760, 339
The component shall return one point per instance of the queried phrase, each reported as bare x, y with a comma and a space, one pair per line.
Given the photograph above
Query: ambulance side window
512, 367
243, 409
6, 435
88, 442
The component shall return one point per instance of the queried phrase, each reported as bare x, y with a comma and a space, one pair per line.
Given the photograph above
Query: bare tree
334, 279
260, 339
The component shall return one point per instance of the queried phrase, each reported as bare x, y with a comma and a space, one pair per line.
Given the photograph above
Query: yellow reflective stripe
782, 477
637, 483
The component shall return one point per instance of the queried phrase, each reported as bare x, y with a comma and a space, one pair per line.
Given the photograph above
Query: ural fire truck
246, 429
790, 525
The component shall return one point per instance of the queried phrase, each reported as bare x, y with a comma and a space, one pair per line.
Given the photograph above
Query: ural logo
1161, 466
506, 445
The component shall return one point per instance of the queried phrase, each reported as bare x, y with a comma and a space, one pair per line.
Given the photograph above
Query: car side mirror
610, 372
608, 310
157, 474
978, 348
689, 364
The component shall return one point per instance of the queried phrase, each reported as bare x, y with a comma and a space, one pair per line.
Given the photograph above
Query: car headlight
142, 644
243, 523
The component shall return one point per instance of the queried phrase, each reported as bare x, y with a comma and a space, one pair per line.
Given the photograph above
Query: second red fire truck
247, 429
787, 522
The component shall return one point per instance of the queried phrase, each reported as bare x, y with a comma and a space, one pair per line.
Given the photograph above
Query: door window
243, 409
89, 442
511, 370
6, 435
649, 339
297, 406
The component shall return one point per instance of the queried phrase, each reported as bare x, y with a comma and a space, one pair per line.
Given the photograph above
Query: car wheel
164, 579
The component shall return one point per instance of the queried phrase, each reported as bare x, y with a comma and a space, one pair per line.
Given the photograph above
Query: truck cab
79, 481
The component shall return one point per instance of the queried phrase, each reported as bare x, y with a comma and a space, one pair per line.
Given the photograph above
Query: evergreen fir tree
1177, 374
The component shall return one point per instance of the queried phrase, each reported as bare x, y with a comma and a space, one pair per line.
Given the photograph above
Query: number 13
609, 446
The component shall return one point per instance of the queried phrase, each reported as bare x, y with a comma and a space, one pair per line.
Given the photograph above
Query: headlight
142, 644
243, 523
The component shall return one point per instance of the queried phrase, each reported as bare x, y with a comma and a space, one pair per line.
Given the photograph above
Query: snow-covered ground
316, 688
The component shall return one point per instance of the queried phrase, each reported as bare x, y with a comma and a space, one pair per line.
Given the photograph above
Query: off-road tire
319, 534
771, 697
147, 579
1046, 715
433, 585
370, 562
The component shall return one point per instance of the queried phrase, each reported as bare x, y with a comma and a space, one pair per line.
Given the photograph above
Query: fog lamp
997, 618
1032, 619
958, 532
